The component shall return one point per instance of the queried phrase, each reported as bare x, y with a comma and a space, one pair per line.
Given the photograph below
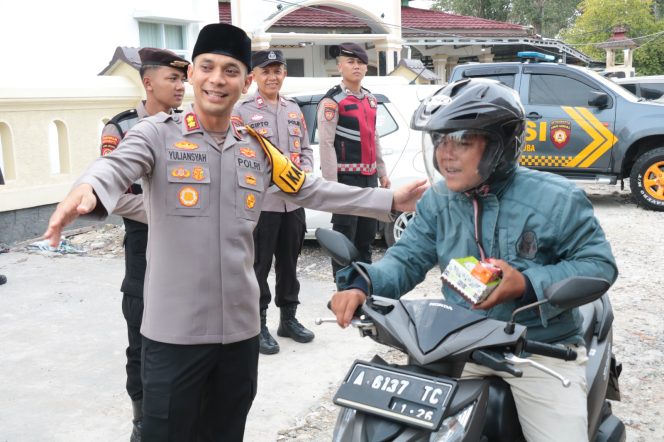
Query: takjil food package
473, 279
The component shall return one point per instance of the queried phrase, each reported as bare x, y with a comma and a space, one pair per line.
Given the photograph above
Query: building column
451, 64
440, 67
260, 42
391, 51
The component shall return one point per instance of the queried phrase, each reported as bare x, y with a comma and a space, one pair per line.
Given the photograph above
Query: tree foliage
597, 19
547, 17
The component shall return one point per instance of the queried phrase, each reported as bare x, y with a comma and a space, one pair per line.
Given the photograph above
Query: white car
401, 146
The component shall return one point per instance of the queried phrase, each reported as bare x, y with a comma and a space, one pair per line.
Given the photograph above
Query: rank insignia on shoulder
186, 145
191, 121
285, 175
237, 120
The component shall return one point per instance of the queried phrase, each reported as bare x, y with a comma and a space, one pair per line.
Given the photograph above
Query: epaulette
332, 92
124, 121
125, 115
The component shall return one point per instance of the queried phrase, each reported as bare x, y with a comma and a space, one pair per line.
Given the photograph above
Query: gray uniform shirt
203, 202
287, 131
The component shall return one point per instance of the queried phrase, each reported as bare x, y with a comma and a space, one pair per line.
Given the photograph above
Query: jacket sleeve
307, 153
131, 206
381, 170
581, 249
407, 262
327, 196
110, 139
326, 133
111, 175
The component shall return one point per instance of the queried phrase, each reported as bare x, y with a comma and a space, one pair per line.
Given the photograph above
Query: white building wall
47, 40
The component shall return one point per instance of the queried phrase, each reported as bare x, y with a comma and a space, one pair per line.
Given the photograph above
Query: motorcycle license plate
412, 398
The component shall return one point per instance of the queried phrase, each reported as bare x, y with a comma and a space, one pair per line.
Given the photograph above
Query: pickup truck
583, 126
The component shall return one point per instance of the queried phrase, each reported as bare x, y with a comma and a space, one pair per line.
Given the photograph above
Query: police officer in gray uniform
281, 226
163, 74
204, 183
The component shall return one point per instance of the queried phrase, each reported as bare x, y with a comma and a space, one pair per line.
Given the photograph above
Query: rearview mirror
337, 246
598, 99
576, 291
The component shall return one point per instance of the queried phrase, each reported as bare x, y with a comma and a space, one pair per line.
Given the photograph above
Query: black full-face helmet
474, 106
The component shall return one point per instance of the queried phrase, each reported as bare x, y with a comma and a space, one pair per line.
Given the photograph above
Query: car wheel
647, 180
393, 231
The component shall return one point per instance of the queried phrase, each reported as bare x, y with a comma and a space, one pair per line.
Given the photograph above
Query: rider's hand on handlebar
345, 303
512, 286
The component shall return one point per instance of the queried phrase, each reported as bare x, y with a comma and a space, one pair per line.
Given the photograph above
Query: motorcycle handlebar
551, 350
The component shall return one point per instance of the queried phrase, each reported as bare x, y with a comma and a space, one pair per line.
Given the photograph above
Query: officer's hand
345, 303
512, 286
79, 201
406, 196
385, 182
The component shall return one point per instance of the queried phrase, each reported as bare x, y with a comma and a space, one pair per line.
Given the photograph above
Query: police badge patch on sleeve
285, 175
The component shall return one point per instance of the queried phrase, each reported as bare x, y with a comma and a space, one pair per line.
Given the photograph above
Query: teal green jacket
541, 224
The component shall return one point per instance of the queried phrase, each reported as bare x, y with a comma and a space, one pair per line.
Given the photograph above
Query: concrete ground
62, 341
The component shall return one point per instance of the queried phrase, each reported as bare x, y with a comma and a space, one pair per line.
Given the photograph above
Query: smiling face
218, 81
458, 157
351, 69
269, 79
164, 86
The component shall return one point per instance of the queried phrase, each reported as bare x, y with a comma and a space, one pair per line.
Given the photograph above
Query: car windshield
610, 85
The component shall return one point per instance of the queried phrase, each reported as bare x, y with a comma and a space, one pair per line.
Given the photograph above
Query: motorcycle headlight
454, 427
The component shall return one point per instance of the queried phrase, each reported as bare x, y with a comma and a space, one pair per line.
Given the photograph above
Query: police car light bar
532, 55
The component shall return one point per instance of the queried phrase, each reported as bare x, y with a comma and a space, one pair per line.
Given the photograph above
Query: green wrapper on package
458, 275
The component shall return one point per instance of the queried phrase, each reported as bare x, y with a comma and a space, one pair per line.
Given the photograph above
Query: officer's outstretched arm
79, 201
405, 197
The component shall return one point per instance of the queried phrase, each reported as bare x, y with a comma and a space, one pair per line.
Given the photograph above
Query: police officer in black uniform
163, 74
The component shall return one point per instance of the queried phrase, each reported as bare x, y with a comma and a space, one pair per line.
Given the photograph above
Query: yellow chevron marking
602, 138
609, 137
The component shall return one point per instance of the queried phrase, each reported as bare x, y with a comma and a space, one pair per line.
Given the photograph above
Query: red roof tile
414, 20
225, 13
320, 17
428, 19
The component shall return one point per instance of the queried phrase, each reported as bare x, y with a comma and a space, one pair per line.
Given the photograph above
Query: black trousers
132, 309
279, 234
198, 392
135, 243
359, 230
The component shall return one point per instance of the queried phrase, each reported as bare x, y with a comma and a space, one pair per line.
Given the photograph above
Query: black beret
353, 50
224, 39
162, 57
261, 59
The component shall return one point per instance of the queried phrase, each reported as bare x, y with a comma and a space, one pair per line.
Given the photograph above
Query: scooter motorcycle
424, 400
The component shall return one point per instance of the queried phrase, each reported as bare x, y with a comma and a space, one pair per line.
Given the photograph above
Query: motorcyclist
538, 228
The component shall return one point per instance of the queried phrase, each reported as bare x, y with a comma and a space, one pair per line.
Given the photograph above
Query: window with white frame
163, 35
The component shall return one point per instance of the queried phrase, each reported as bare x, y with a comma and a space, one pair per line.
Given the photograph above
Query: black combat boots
137, 407
289, 327
267, 344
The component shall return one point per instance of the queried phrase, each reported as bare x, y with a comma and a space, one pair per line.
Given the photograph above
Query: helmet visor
464, 159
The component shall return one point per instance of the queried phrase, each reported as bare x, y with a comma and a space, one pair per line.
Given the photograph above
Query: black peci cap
261, 59
162, 57
353, 50
224, 39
